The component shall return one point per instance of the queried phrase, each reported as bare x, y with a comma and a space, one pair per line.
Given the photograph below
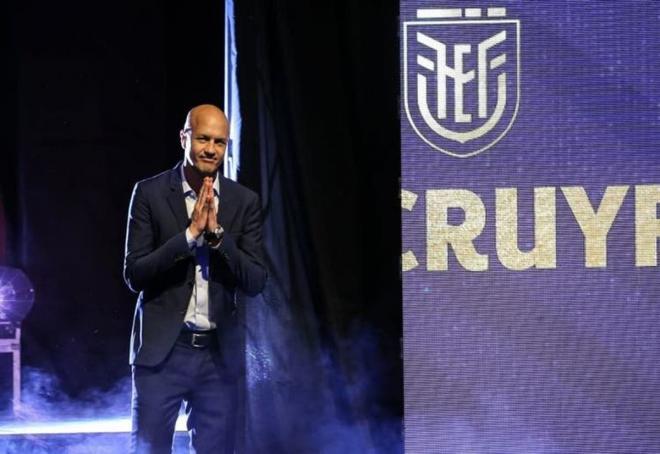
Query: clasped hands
204, 217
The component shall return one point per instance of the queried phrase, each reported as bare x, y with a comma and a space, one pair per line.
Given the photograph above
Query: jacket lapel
176, 199
226, 206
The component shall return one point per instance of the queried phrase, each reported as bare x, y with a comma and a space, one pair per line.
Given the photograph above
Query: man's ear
184, 138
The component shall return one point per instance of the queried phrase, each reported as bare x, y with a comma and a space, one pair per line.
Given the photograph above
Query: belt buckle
194, 338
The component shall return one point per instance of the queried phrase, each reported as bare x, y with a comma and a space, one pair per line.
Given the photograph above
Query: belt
199, 339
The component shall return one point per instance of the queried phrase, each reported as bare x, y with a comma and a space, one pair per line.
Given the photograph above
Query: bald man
193, 240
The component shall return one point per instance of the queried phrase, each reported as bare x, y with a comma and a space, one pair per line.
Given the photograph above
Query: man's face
205, 142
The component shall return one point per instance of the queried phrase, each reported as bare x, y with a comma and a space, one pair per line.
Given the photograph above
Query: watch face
215, 235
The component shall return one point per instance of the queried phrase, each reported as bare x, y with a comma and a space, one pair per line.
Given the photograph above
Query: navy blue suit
161, 267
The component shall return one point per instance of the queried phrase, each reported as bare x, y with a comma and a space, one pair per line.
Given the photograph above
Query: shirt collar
188, 191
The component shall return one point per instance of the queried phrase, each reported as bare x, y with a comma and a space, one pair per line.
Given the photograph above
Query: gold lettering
544, 253
595, 225
647, 225
408, 259
440, 234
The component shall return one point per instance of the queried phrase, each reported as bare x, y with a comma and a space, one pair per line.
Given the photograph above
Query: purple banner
530, 191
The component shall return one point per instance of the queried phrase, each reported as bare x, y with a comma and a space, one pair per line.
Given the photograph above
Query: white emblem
461, 78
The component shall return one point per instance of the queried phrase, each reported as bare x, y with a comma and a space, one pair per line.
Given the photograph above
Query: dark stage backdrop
100, 93
97, 95
319, 102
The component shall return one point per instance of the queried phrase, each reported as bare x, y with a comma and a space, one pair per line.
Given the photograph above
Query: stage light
16, 295
16, 299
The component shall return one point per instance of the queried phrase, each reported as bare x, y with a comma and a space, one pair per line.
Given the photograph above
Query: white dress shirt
198, 316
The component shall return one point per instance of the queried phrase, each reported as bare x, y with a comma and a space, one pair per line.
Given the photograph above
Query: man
193, 239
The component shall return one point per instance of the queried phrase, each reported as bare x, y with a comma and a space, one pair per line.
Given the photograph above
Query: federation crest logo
461, 77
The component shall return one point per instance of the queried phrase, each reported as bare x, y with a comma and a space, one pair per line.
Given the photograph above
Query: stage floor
91, 436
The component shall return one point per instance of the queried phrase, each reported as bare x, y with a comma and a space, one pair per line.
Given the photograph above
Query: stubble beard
205, 169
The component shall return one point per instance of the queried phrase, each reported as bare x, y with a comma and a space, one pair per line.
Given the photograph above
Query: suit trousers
196, 377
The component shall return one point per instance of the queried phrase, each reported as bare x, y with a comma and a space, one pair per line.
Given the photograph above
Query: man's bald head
201, 113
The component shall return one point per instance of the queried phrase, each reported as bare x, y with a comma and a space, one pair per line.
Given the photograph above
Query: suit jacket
159, 264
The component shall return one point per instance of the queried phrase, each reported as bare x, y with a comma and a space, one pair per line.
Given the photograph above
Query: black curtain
319, 87
8, 131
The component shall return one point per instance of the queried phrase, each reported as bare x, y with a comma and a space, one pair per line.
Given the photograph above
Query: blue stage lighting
16, 295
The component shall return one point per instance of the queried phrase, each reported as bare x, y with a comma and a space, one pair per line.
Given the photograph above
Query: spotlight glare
80, 426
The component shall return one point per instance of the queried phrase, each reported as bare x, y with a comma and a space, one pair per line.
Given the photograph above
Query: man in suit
193, 239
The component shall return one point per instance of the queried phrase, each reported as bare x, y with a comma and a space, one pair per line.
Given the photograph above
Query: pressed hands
204, 217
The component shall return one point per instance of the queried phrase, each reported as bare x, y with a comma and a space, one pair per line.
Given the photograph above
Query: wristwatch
215, 236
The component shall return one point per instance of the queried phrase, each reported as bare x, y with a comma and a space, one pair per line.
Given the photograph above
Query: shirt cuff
192, 242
